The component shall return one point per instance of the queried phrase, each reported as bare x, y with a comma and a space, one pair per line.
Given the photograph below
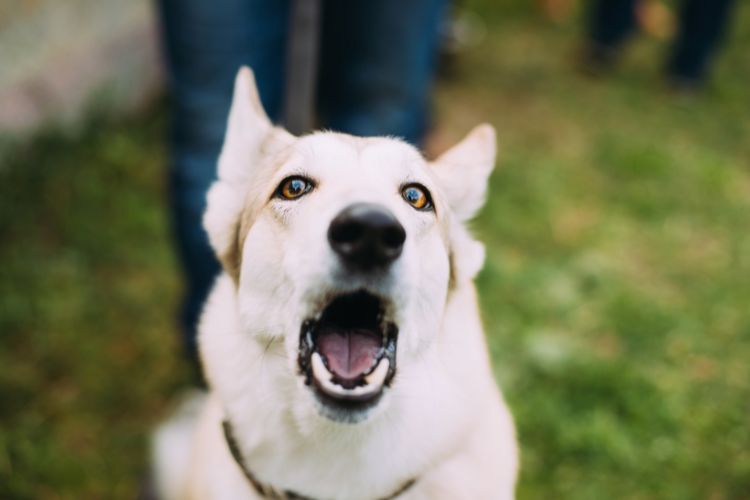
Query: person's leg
610, 23
205, 44
377, 65
702, 25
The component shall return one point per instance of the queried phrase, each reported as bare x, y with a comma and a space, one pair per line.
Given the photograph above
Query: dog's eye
417, 196
292, 188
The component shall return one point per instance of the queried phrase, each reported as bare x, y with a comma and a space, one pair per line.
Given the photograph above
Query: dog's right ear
250, 132
250, 136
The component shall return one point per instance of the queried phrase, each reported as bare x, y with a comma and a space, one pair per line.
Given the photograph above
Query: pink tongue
349, 353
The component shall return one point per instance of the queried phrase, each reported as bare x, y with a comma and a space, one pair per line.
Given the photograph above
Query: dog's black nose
366, 236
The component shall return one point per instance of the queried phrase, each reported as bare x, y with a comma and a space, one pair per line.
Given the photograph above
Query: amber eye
417, 196
292, 188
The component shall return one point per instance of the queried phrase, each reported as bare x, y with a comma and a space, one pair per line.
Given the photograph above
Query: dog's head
343, 252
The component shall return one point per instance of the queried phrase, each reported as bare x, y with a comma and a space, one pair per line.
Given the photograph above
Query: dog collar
272, 493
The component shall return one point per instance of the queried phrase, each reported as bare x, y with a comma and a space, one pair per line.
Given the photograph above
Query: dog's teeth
322, 375
374, 380
319, 369
362, 390
377, 377
335, 389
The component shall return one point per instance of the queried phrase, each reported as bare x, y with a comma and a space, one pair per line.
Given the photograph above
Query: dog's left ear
463, 171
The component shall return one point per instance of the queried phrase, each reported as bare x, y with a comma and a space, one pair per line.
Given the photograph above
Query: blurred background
615, 295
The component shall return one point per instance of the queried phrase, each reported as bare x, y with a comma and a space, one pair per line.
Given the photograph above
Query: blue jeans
377, 60
702, 25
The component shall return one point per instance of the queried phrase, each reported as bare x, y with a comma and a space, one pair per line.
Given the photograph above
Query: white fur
442, 421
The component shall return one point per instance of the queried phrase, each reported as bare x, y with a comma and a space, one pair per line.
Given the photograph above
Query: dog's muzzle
348, 356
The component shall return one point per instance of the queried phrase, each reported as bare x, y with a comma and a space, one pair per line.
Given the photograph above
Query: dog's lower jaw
347, 356
338, 412
443, 421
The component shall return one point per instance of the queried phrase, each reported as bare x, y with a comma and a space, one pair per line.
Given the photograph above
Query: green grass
88, 286
615, 293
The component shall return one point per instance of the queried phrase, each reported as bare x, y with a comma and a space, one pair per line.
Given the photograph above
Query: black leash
271, 493
302, 65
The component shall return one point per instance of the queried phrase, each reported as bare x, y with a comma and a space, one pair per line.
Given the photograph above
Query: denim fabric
376, 68
702, 24
611, 22
377, 63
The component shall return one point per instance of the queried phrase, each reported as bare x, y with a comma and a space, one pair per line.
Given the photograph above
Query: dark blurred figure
377, 60
702, 24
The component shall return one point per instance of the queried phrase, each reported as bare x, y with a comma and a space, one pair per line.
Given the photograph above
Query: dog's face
343, 251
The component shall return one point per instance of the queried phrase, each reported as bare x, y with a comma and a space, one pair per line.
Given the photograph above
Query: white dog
342, 344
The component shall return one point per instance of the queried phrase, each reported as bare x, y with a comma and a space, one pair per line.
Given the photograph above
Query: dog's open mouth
349, 355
